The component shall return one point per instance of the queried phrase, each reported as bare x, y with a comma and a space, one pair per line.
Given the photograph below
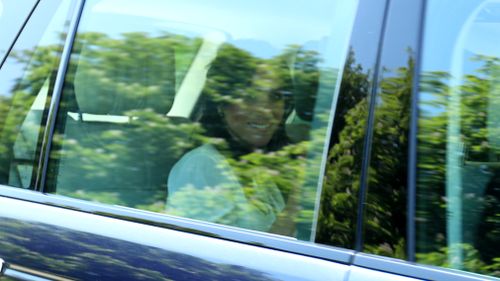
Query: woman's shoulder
201, 167
204, 152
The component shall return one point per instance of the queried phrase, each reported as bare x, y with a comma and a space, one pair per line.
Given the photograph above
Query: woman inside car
245, 103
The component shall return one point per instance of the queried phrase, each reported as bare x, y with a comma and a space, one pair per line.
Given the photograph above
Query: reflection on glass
12, 16
26, 78
337, 216
385, 210
458, 186
341, 185
211, 117
243, 112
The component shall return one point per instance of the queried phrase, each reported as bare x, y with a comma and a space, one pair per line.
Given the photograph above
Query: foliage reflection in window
458, 168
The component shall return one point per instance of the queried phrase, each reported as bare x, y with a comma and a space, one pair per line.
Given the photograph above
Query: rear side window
26, 79
204, 111
458, 214
12, 16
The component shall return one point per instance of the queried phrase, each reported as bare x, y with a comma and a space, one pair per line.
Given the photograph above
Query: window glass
203, 109
458, 214
26, 79
12, 16
339, 198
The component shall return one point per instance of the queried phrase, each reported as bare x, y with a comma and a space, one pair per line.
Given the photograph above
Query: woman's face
253, 121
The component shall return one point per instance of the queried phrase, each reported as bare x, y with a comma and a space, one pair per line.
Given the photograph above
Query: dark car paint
51, 241
40, 240
86, 256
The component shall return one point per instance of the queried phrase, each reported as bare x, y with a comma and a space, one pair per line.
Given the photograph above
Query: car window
12, 16
342, 182
204, 111
25, 81
458, 184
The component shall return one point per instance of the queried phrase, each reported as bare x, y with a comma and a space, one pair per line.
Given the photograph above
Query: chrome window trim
3, 266
261, 239
19, 275
362, 273
414, 270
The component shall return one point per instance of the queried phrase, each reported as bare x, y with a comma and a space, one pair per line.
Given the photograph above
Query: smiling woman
254, 119
245, 106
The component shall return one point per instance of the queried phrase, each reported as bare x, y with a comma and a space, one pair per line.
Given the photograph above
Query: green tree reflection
478, 171
115, 142
337, 217
84, 256
35, 68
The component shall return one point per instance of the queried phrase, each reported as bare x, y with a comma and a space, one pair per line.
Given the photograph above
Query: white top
202, 185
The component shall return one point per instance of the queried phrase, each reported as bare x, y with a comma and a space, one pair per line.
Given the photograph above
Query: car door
61, 244
106, 101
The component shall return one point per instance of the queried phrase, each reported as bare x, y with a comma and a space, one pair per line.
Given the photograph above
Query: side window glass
341, 185
26, 79
458, 214
203, 112
12, 16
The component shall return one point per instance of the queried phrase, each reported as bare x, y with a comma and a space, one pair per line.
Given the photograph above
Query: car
249, 140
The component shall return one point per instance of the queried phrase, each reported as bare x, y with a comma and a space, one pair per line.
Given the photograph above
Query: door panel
76, 245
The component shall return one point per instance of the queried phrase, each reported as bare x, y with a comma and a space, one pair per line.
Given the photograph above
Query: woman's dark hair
230, 75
